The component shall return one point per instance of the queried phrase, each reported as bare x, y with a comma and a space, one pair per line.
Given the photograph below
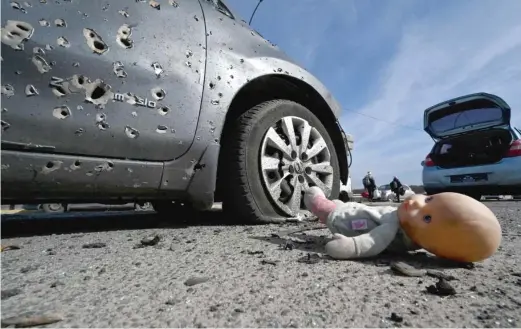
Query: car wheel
53, 207
275, 151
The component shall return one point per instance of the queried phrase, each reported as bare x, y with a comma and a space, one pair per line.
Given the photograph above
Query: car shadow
35, 224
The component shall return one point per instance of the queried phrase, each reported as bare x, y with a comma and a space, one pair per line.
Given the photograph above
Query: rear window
466, 118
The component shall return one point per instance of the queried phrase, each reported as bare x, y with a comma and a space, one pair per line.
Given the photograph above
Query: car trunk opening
472, 149
465, 114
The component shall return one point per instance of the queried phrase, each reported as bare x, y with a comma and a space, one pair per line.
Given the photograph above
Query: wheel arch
276, 86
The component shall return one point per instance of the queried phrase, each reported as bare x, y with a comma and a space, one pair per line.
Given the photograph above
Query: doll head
451, 225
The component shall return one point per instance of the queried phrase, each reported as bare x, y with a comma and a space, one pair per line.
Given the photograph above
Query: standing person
369, 185
396, 187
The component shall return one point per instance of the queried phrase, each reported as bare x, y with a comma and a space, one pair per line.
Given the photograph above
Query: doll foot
310, 195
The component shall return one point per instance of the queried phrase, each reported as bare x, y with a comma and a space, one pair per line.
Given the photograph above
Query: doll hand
341, 247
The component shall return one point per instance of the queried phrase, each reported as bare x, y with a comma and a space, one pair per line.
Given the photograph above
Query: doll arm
365, 245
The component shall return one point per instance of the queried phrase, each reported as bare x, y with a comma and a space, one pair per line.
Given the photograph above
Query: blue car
476, 152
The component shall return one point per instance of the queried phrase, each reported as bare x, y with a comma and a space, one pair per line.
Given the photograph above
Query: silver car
476, 152
178, 103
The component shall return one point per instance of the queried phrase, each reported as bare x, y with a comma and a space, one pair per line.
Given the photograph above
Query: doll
449, 225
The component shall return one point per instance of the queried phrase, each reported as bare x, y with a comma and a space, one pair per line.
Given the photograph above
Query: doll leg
316, 202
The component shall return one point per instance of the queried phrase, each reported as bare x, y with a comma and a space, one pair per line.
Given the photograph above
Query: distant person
369, 185
397, 187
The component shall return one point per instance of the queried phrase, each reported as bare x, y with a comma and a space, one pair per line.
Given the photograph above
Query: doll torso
353, 219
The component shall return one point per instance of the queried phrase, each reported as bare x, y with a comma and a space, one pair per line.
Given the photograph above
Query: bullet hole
196, 19
100, 117
94, 41
161, 129
123, 36
158, 93
219, 77
59, 91
123, 13
231, 76
241, 60
98, 92
158, 69
154, 4
76, 165
15, 33
76, 64
7, 90
17, 72
44, 23
16, 5
60, 22
102, 125
220, 94
5, 125
41, 64
38, 51
53, 63
215, 102
61, 112
79, 131
212, 85
173, 3
51, 166
27, 4
4, 110
63, 42
163, 110
117, 68
107, 166
189, 53
134, 114
49, 47
30, 90
79, 108
188, 64
131, 132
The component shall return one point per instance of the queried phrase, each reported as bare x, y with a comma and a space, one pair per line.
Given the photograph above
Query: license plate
469, 178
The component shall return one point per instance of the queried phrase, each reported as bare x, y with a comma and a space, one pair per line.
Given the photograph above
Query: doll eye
427, 199
427, 218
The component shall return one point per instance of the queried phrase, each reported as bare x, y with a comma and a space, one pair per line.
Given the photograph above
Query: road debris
442, 288
195, 280
269, 262
310, 259
10, 247
94, 245
406, 269
395, 317
151, 240
8, 293
30, 319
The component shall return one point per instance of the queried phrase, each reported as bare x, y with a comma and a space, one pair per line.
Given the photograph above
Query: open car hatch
464, 114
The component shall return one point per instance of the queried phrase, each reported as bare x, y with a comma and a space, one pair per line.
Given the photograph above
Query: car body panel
182, 60
195, 44
481, 118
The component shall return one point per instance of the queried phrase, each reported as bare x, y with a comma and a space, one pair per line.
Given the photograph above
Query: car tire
246, 196
53, 207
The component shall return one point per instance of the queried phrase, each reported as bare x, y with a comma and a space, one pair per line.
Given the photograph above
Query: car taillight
515, 149
428, 161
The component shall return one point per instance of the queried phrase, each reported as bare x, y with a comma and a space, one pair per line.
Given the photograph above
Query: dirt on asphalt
136, 271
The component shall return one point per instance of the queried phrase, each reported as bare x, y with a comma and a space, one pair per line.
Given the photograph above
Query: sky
387, 61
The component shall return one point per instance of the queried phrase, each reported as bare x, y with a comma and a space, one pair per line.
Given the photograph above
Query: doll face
418, 208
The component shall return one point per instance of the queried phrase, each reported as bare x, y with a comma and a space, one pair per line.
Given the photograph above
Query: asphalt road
206, 272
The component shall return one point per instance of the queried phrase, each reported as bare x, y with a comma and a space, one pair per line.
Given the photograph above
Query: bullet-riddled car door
118, 78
